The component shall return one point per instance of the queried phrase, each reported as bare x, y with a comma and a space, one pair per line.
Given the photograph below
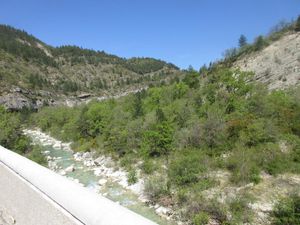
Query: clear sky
184, 32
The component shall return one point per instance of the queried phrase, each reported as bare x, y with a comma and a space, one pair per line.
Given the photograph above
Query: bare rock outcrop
277, 65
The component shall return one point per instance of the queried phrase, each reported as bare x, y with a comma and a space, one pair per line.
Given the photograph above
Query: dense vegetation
29, 63
218, 121
12, 137
79, 55
287, 211
21, 44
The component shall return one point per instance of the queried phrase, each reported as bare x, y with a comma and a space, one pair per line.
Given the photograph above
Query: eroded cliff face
278, 65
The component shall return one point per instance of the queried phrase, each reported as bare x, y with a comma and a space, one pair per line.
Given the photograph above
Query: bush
201, 218
287, 211
185, 169
214, 208
259, 43
36, 155
158, 141
156, 186
243, 165
257, 132
240, 210
11, 135
148, 166
132, 177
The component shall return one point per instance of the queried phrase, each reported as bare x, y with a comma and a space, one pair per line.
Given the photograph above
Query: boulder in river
70, 169
102, 182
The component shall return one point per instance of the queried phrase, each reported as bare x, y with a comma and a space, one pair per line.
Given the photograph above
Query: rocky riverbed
100, 174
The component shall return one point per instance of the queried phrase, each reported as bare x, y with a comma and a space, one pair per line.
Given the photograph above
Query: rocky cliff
278, 64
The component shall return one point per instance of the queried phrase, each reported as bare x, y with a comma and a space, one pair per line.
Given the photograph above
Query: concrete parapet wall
33, 195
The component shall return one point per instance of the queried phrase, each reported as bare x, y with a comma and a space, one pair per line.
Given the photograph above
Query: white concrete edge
88, 207
43, 195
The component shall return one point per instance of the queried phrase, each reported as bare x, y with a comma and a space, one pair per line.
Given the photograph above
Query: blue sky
184, 32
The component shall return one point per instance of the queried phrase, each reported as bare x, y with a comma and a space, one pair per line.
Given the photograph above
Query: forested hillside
42, 73
193, 140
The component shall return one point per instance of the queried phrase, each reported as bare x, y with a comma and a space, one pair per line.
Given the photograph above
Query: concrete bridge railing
34, 195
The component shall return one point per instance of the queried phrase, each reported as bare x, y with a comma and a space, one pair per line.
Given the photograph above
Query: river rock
86, 155
102, 182
162, 210
89, 163
70, 169
98, 171
77, 156
62, 172
99, 161
57, 144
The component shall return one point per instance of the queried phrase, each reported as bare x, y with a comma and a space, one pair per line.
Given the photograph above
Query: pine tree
242, 41
297, 27
259, 43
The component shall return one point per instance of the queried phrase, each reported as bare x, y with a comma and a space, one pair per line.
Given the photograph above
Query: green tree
137, 105
192, 78
159, 140
297, 26
242, 41
259, 43
11, 135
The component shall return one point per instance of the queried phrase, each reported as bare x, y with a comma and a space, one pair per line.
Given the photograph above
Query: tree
137, 105
242, 41
160, 116
259, 43
159, 140
297, 27
192, 78
230, 53
11, 135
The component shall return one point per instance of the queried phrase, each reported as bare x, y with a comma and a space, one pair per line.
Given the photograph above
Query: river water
60, 158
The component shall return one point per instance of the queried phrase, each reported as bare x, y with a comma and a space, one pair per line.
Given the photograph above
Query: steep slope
278, 64
32, 71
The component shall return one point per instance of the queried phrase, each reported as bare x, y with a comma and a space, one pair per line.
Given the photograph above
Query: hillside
33, 73
278, 64
217, 146
212, 150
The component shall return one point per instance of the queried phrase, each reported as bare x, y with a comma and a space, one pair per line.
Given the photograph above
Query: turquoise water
87, 178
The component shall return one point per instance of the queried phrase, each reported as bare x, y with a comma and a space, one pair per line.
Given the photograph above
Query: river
61, 160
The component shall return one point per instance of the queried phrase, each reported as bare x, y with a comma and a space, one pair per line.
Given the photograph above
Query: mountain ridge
43, 73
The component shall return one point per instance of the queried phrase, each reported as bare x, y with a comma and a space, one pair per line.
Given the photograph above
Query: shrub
240, 210
182, 196
156, 186
185, 169
201, 218
11, 135
212, 207
132, 177
259, 43
148, 166
257, 132
297, 25
287, 211
36, 155
243, 165
158, 141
